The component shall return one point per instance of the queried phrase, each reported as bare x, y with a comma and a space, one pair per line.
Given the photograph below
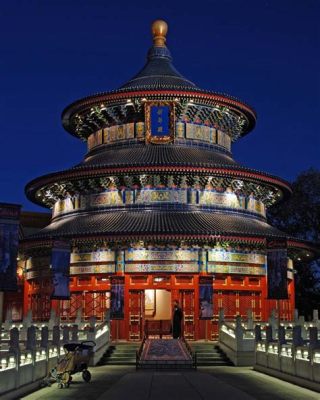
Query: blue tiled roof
119, 223
157, 155
159, 73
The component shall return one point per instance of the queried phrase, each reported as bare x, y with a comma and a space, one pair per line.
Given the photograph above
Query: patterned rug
165, 350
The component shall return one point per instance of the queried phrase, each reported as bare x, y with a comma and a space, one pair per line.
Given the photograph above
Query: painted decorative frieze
176, 267
193, 196
164, 255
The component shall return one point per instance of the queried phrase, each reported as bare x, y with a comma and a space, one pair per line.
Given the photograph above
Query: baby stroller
75, 360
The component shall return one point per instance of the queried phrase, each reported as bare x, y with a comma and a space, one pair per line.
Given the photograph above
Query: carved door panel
40, 306
245, 303
94, 305
230, 303
187, 302
256, 306
136, 314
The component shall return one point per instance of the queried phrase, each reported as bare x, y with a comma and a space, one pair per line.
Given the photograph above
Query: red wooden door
136, 315
187, 301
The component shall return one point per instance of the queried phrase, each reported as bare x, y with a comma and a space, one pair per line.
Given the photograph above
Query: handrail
193, 354
139, 352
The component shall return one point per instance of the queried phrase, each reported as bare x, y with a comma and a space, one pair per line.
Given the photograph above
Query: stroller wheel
86, 376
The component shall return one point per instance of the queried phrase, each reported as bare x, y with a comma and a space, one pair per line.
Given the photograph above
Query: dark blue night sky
54, 52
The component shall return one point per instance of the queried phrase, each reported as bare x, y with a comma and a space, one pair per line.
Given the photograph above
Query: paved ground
226, 383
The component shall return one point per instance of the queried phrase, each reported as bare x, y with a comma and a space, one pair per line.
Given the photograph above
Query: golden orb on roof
159, 30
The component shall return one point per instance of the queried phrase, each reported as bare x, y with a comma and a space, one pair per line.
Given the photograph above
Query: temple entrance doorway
150, 299
157, 304
158, 313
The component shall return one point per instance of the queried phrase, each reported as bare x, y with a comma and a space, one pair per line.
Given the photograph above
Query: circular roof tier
163, 160
164, 155
144, 224
157, 80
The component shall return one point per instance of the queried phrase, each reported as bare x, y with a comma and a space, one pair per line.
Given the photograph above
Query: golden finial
159, 30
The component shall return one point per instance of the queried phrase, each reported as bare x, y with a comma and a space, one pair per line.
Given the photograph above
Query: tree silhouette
300, 217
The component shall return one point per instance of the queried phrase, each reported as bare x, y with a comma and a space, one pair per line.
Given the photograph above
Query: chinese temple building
159, 206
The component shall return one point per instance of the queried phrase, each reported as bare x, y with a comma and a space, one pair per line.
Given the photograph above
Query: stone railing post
91, 334
31, 338
273, 322
238, 332
27, 319
15, 349
301, 323
31, 345
14, 341
250, 319
53, 320
257, 333
92, 321
8, 321
313, 336
296, 336
56, 336
281, 336
74, 333
65, 334
78, 316
44, 337
269, 334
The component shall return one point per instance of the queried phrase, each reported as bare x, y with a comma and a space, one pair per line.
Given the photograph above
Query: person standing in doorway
176, 320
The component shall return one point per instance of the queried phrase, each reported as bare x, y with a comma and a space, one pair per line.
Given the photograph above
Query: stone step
119, 357
209, 355
215, 364
124, 351
114, 362
120, 354
125, 354
205, 351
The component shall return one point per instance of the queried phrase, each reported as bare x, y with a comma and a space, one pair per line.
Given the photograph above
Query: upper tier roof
158, 79
159, 73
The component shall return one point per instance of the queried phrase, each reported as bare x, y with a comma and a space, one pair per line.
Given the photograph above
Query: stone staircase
120, 354
209, 354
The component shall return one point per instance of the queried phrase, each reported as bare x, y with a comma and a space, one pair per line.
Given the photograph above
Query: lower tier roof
149, 224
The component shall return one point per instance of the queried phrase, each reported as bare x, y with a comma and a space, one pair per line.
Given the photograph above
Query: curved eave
149, 223
294, 245
122, 226
92, 172
109, 97
305, 246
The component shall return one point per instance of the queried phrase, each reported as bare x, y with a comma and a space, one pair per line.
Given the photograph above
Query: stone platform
121, 383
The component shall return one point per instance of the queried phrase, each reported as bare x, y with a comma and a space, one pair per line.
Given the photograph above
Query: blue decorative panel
160, 122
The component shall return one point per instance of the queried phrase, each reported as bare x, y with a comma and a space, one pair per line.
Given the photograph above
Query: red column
26, 305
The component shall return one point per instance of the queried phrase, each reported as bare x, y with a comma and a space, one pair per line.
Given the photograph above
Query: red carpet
165, 350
